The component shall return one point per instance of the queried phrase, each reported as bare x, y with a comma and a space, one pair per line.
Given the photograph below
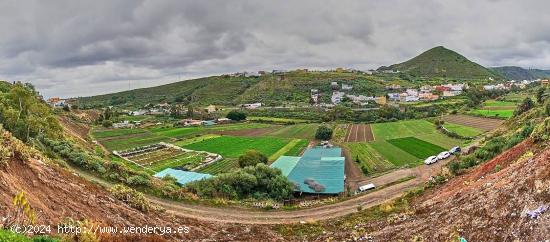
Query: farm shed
182, 177
286, 164
318, 171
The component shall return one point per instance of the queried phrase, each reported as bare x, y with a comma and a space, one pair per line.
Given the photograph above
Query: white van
366, 187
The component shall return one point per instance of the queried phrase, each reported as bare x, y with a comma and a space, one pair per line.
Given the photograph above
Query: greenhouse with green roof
318, 171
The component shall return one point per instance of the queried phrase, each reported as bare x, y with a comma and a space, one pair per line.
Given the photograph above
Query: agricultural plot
298, 148
277, 120
182, 132
294, 146
486, 124
122, 139
392, 148
368, 156
359, 133
464, 131
222, 166
298, 131
493, 113
420, 129
418, 148
159, 157
493, 108
234, 146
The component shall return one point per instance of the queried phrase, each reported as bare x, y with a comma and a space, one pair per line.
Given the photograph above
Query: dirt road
254, 216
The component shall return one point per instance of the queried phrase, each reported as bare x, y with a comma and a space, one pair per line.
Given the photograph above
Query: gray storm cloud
77, 48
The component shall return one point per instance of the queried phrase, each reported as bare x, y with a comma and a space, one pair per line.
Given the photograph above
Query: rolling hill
270, 89
440, 62
519, 73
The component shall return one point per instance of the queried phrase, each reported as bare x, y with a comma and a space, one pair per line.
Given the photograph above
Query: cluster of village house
396, 93
513, 83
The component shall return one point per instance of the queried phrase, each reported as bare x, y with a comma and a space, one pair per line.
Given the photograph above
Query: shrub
107, 123
138, 180
5, 154
260, 182
323, 133
525, 106
365, 169
131, 197
251, 158
454, 167
541, 131
236, 115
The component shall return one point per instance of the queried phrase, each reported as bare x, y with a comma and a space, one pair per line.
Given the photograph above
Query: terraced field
486, 124
462, 130
419, 148
158, 157
234, 146
298, 131
420, 129
368, 156
183, 132
294, 146
498, 109
298, 148
359, 133
399, 144
122, 139
222, 166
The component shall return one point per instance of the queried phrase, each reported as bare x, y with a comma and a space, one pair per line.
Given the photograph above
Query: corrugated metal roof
182, 177
286, 164
319, 170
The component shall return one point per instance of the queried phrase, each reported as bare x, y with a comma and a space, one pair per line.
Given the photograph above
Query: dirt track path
253, 216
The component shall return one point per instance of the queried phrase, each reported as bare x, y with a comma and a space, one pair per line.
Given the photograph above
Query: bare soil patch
486, 124
359, 133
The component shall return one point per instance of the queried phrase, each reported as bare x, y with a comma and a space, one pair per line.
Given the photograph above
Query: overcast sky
80, 48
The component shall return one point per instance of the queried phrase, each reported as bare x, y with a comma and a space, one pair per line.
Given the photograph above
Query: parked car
443, 155
455, 150
430, 160
366, 187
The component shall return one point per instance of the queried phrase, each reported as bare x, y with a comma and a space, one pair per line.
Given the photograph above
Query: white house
252, 105
393, 96
346, 87
139, 112
412, 92
337, 97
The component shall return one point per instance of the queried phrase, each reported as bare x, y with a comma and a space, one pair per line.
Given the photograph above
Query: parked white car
443, 155
366, 187
430, 160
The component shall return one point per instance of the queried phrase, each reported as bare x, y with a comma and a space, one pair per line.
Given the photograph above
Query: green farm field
369, 157
109, 133
418, 148
277, 120
298, 131
181, 160
234, 146
464, 131
392, 140
495, 103
122, 139
182, 132
222, 166
294, 146
493, 113
420, 129
297, 149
